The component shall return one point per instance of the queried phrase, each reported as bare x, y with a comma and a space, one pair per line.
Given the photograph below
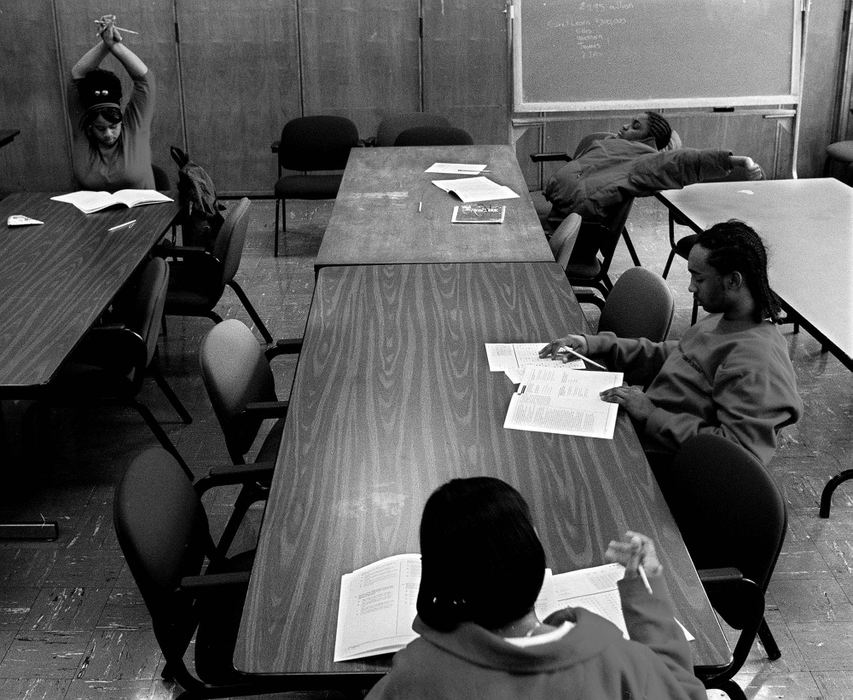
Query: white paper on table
475, 189
456, 168
512, 358
594, 589
377, 607
563, 401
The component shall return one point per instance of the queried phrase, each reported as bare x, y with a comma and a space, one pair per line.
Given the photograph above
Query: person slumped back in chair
633, 163
482, 568
730, 373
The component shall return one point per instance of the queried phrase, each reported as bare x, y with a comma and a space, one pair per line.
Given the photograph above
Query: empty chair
733, 519
434, 136
310, 145
840, 154
391, 127
241, 387
586, 257
640, 305
199, 277
112, 360
164, 534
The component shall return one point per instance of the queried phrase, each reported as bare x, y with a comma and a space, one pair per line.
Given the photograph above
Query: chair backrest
728, 507
145, 309
228, 247
391, 127
434, 136
567, 230
163, 533
161, 178
597, 237
640, 305
321, 142
235, 372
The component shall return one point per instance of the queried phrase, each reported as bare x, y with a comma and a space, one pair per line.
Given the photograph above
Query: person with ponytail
730, 374
111, 147
482, 566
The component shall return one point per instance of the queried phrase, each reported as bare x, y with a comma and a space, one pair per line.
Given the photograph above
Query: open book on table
378, 602
564, 401
88, 201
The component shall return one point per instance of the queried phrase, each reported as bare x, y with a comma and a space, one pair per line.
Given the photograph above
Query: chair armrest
201, 584
284, 346
552, 155
229, 475
274, 146
180, 251
722, 575
267, 409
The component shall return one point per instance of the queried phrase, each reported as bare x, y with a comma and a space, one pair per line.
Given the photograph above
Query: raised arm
110, 43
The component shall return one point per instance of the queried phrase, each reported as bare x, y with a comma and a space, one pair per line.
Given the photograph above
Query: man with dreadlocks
730, 374
633, 163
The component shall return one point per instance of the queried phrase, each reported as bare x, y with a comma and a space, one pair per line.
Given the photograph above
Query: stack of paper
475, 189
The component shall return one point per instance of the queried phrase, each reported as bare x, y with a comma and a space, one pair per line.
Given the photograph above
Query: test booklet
378, 602
475, 189
565, 401
512, 358
594, 589
456, 168
88, 201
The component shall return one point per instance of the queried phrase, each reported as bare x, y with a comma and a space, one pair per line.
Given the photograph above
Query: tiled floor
72, 624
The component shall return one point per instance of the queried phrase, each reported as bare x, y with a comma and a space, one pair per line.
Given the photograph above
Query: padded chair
164, 534
733, 519
550, 223
562, 241
391, 127
241, 388
309, 145
161, 179
199, 277
434, 136
840, 154
587, 262
112, 360
640, 305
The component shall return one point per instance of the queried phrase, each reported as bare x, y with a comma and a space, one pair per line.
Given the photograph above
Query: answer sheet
563, 401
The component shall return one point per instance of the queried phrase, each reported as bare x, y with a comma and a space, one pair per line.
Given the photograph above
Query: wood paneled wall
230, 74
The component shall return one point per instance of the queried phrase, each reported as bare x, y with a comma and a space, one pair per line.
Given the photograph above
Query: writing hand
633, 551
575, 342
632, 399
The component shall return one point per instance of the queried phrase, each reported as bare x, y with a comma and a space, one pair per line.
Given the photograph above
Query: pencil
126, 224
566, 349
645, 578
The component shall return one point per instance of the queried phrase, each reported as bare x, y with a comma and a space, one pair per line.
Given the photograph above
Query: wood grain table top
376, 220
392, 397
807, 226
57, 278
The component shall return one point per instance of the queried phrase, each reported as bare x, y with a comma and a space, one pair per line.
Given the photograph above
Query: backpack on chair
201, 211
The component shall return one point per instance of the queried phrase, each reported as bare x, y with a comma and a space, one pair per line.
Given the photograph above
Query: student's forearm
90, 60
134, 65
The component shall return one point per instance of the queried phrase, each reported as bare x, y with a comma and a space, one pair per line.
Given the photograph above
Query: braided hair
734, 246
659, 128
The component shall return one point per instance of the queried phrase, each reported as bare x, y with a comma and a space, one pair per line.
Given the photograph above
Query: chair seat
90, 383
578, 272
219, 623
187, 291
308, 186
841, 151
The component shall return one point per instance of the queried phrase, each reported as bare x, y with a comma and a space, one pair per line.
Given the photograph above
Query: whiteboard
573, 55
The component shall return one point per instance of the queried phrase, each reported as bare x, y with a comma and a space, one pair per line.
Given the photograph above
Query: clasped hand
108, 31
633, 551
